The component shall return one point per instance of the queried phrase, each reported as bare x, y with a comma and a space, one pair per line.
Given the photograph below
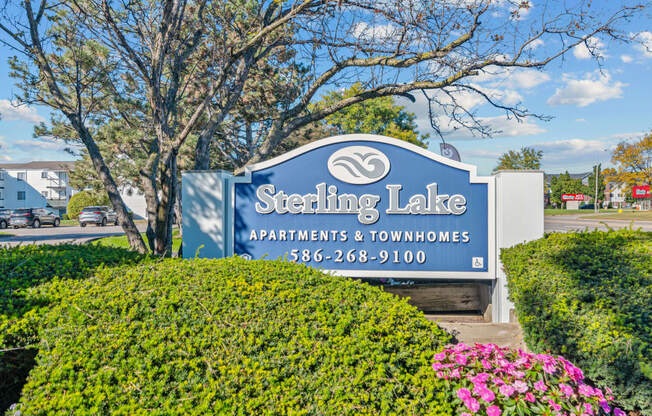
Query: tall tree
527, 158
591, 188
178, 69
565, 184
633, 162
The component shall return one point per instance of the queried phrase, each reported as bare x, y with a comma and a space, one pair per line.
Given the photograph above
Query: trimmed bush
499, 381
22, 270
588, 296
82, 200
230, 336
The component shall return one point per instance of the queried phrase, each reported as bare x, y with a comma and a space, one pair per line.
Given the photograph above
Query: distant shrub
588, 296
495, 381
22, 270
230, 336
83, 199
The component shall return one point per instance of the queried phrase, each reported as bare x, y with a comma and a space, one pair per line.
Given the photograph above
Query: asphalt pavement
61, 234
77, 234
569, 223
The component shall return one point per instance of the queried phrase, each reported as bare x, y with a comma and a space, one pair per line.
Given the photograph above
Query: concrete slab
504, 335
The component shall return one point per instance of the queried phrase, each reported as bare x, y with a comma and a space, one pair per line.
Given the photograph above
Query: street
77, 234
62, 234
566, 223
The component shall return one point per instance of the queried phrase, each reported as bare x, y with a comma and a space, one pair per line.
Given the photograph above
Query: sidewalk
470, 329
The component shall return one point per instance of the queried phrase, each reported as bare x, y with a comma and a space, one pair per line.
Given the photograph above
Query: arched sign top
372, 138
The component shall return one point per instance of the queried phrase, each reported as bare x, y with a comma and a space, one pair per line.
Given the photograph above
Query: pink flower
507, 390
486, 364
585, 390
574, 372
480, 378
605, 406
549, 368
556, 407
461, 359
463, 394
498, 381
441, 375
437, 366
566, 389
472, 404
440, 356
588, 408
465, 414
460, 347
540, 386
618, 412
530, 397
520, 386
494, 410
518, 374
486, 394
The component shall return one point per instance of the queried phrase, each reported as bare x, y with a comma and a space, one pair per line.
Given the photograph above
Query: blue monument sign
365, 206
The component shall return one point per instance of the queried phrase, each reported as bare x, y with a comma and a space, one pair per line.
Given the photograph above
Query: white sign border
490, 274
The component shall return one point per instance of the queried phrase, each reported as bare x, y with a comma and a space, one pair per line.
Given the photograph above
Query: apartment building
35, 185
46, 184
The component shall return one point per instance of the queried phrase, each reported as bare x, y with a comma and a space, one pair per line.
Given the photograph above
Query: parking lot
61, 234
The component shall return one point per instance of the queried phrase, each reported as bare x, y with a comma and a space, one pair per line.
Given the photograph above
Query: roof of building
46, 165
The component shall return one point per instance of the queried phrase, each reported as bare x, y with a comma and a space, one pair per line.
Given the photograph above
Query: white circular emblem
358, 165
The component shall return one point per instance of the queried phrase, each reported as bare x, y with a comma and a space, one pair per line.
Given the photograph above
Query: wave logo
358, 165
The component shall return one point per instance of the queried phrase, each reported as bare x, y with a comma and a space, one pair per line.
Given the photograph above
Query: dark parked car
99, 215
34, 217
4, 218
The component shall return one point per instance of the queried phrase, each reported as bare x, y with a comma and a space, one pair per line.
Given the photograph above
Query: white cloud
570, 153
526, 78
39, 144
364, 31
504, 126
596, 86
10, 111
626, 58
643, 42
535, 44
596, 46
580, 120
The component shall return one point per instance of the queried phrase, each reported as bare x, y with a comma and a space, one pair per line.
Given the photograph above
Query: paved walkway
63, 234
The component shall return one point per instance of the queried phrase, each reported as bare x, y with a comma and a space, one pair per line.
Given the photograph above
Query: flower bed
498, 381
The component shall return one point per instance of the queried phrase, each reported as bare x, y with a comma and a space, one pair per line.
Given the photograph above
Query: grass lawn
121, 241
625, 215
555, 211
5, 234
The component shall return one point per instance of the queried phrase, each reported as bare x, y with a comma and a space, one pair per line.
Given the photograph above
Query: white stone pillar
519, 218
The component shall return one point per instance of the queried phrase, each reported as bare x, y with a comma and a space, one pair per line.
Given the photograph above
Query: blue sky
592, 108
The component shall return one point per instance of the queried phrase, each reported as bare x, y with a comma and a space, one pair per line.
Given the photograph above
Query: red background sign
572, 197
642, 191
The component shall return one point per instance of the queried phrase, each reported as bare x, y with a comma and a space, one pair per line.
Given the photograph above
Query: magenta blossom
507, 390
440, 356
530, 397
494, 410
472, 404
540, 386
520, 386
566, 389
618, 412
585, 390
463, 393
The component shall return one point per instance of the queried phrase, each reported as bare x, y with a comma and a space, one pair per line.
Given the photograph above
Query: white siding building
42, 184
35, 185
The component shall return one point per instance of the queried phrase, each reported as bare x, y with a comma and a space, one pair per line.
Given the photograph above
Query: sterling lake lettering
327, 201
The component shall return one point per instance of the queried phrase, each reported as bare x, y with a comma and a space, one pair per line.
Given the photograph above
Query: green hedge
230, 336
588, 296
22, 270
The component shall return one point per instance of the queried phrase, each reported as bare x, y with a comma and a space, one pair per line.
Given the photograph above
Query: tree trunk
163, 228
133, 235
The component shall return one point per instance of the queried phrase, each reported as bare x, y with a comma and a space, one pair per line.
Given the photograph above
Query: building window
45, 194
20, 196
21, 176
1, 196
44, 175
2, 175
